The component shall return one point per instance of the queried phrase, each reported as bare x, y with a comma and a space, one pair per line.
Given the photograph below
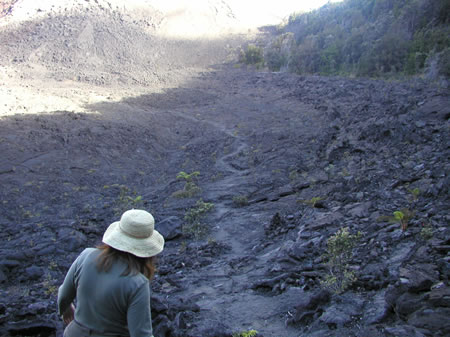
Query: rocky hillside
102, 44
291, 205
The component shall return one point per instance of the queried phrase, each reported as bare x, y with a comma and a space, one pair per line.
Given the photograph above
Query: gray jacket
107, 302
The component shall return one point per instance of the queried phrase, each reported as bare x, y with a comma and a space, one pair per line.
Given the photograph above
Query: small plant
49, 285
240, 200
313, 202
339, 253
193, 217
330, 170
402, 217
197, 212
190, 188
399, 216
127, 199
53, 265
293, 175
188, 176
345, 172
415, 192
426, 232
248, 333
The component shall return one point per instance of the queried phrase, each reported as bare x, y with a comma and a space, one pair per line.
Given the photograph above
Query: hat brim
120, 240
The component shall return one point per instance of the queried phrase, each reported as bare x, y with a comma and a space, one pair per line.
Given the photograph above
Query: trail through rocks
222, 289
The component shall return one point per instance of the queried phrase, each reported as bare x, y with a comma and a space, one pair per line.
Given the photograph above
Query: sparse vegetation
415, 192
402, 217
49, 285
194, 225
188, 177
426, 232
278, 52
293, 175
252, 55
248, 333
399, 216
338, 255
313, 202
126, 199
240, 200
190, 188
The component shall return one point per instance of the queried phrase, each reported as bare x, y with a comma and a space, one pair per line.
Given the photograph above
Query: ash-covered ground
100, 112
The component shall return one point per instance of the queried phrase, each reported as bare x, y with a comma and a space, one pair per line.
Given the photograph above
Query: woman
111, 282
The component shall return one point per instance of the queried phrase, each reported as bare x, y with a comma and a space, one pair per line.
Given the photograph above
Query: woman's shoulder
137, 280
137, 284
89, 251
86, 254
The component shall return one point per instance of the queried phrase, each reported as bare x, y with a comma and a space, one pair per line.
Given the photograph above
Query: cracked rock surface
286, 160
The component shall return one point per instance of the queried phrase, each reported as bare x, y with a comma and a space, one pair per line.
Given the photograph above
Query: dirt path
222, 289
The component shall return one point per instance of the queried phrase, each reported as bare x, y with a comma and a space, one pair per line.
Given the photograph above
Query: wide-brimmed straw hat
135, 233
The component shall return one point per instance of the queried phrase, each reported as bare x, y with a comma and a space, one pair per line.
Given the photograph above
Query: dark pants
75, 329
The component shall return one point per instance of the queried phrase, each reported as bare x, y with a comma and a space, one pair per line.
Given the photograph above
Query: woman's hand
68, 315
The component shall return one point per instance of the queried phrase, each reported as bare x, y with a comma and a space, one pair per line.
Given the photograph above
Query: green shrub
249, 333
49, 285
426, 232
240, 200
402, 217
253, 55
338, 255
188, 176
198, 211
275, 60
126, 199
415, 192
425, 44
190, 188
312, 202
278, 52
194, 226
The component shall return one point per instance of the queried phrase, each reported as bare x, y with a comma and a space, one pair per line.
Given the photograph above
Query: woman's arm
139, 314
67, 291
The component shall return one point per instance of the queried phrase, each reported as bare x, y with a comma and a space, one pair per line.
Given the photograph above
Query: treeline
366, 38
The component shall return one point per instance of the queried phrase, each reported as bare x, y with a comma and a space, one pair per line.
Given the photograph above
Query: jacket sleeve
139, 313
68, 290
